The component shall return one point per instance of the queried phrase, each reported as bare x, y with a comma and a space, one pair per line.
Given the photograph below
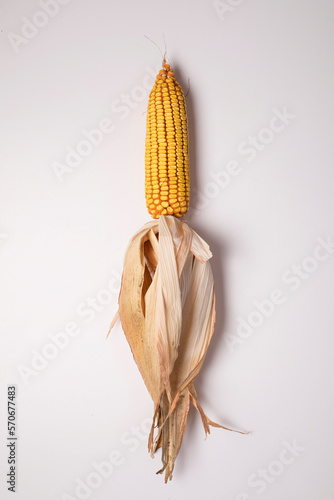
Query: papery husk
167, 311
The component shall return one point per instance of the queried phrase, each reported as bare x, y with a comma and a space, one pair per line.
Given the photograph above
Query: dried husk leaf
167, 311
133, 303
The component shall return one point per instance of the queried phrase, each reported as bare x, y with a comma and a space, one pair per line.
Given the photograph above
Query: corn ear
167, 296
167, 180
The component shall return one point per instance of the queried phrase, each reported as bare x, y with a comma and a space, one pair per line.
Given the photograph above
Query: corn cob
166, 148
167, 296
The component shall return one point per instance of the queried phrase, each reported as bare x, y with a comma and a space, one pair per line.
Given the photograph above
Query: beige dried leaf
167, 311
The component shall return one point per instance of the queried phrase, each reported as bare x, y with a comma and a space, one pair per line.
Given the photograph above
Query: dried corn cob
166, 148
167, 298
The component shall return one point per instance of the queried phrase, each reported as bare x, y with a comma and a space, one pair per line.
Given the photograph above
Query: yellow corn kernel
166, 148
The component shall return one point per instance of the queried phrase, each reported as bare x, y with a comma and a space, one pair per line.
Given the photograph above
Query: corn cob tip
165, 72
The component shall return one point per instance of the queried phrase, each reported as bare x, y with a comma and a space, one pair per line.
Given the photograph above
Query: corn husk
167, 311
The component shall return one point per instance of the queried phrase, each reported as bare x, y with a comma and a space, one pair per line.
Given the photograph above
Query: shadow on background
219, 251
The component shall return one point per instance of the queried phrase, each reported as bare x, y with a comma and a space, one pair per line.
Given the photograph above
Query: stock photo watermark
264, 476
224, 8
11, 438
130, 441
249, 149
60, 340
292, 279
91, 139
30, 28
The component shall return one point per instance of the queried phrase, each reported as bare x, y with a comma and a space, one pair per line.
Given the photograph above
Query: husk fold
167, 311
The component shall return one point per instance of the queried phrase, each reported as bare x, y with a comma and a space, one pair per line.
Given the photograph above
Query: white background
63, 240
